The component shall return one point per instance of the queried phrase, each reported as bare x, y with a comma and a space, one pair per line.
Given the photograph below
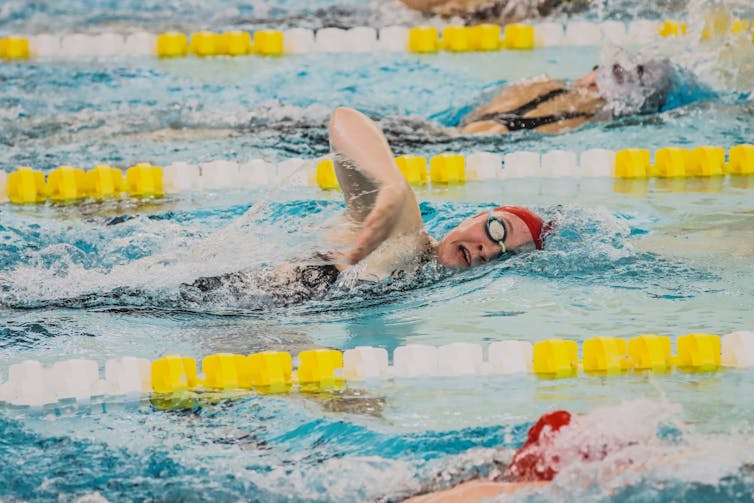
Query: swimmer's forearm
475, 491
379, 224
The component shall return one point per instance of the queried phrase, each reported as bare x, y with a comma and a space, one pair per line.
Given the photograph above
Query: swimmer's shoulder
402, 253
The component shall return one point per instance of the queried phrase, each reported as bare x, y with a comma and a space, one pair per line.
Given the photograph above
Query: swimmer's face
635, 87
468, 244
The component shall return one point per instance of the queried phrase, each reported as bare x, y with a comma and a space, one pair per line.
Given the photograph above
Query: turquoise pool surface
100, 280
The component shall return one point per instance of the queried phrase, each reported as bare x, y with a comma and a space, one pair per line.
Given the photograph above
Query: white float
548, 35
256, 173
44, 45
415, 360
74, 379
128, 376
521, 164
510, 357
180, 177
77, 45
558, 164
361, 39
393, 39
365, 362
26, 385
109, 44
141, 44
295, 172
459, 358
583, 33
597, 162
298, 41
331, 40
737, 349
483, 166
218, 174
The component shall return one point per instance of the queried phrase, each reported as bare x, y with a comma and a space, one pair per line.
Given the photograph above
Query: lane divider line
628, 167
77, 381
417, 39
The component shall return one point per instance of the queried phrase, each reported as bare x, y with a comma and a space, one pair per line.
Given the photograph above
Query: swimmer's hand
379, 223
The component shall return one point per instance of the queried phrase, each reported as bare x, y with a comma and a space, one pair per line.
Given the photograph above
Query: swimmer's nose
484, 253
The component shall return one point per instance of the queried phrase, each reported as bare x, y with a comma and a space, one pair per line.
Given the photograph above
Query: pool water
100, 280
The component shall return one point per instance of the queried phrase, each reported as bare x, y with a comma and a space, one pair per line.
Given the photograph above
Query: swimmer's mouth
466, 255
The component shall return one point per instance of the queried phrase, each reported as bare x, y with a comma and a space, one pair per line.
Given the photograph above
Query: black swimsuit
308, 282
500, 12
515, 120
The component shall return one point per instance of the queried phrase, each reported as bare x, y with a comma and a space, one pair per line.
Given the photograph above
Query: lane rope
68, 183
32, 384
417, 39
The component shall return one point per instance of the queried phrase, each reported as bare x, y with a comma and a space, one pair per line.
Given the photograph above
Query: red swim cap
532, 221
531, 462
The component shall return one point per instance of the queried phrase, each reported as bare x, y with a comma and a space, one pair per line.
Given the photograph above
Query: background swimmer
563, 443
497, 11
622, 87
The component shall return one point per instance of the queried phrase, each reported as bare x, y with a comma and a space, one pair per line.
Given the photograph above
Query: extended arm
474, 492
376, 193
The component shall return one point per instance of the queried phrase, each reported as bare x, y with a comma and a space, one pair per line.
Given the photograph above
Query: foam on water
637, 446
648, 453
152, 255
142, 261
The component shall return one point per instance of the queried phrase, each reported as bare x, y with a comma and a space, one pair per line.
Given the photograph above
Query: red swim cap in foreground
532, 221
532, 462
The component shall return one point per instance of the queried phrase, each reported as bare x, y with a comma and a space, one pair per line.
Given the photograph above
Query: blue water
103, 280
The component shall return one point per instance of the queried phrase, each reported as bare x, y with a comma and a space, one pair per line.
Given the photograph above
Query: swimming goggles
496, 230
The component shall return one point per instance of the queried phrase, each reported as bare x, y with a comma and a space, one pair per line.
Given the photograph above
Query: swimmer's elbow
351, 131
339, 115
340, 119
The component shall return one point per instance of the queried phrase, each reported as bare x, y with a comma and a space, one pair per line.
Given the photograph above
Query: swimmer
533, 465
496, 11
381, 231
621, 448
626, 86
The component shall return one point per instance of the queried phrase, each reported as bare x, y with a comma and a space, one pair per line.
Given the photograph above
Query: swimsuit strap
531, 105
518, 123
526, 107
